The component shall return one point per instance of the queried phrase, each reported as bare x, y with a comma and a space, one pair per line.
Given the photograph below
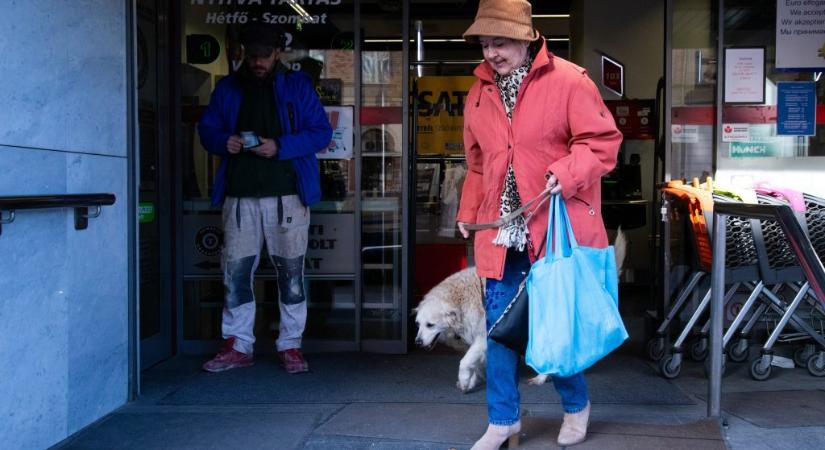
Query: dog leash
501, 221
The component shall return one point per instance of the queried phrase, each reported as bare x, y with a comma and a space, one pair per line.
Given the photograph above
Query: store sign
634, 118
146, 212
340, 117
736, 132
796, 108
330, 248
202, 49
754, 149
761, 142
744, 75
613, 75
684, 134
440, 101
313, 30
800, 34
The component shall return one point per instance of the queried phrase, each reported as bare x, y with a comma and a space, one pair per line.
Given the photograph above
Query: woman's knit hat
503, 18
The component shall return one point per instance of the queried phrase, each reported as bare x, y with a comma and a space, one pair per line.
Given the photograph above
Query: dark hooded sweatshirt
248, 174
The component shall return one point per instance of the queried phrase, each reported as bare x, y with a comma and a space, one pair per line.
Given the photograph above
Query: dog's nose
418, 341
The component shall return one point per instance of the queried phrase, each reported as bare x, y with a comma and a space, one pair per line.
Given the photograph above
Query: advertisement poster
744, 75
634, 118
340, 117
800, 34
440, 102
796, 108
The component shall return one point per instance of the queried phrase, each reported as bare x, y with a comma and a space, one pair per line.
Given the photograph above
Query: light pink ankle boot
574, 427
495, 436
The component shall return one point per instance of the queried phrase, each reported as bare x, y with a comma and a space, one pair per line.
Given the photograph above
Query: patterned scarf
513, 234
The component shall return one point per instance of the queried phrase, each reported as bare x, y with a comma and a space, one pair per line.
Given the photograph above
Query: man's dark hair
260, 39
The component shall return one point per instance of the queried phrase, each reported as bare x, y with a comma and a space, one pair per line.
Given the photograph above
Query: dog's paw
468, 384
537, 380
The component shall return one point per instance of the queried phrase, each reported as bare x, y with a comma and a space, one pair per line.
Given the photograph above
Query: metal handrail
800, 245
81, 203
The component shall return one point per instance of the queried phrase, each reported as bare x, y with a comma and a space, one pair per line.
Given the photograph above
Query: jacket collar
543, 58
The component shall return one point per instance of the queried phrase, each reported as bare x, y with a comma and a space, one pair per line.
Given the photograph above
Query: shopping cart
698, 205
778, 268
741, 270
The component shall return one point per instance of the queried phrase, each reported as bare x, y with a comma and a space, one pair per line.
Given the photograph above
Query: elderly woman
532, 121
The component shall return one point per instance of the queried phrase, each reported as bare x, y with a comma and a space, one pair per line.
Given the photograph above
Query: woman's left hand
553, 184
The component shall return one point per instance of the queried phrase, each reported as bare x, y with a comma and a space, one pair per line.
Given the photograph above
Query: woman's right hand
463, 230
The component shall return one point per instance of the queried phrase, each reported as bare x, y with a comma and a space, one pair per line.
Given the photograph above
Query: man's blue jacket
306, 129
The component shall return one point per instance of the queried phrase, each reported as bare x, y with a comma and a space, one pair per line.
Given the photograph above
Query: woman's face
503, 54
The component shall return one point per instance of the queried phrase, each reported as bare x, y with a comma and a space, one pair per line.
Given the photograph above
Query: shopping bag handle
558, 225
501, 221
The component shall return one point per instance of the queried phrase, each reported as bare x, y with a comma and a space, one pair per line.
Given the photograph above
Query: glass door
383, 149
323, 48
155, 301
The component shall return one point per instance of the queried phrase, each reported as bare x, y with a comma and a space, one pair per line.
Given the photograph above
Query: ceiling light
305, 16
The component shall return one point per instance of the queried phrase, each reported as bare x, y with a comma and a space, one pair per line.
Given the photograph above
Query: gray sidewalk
363, 401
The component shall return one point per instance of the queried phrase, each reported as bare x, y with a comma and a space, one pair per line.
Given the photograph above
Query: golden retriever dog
452, 313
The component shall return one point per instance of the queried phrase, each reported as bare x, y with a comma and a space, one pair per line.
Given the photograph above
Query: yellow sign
441, 114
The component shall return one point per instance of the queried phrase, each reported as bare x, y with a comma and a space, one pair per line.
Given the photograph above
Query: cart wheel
816, 364
738, 352
668, 368
699, 350
758, 372
656, 348
802, 354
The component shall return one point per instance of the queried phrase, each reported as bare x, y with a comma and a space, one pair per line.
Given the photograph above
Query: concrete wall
630, 31
63, 292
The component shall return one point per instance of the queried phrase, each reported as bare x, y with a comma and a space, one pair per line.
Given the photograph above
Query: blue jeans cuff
503, 422
575, 410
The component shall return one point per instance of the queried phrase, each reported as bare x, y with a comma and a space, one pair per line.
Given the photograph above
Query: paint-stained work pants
282, 223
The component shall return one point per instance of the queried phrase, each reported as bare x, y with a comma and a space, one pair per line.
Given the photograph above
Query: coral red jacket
560, 125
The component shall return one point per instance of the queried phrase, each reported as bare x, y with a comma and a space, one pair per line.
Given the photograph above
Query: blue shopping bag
573, 295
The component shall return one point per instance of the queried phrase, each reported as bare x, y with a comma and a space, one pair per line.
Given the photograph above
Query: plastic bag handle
558, 224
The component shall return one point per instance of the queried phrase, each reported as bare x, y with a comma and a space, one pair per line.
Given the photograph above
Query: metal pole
419, 47
133, 177
717, 286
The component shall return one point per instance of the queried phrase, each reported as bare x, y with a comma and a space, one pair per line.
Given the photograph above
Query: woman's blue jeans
502, 363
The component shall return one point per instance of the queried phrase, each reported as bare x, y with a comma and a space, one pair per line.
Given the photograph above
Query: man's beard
249, 75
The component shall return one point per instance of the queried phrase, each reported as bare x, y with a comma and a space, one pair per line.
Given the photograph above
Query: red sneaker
228, 358
293, 361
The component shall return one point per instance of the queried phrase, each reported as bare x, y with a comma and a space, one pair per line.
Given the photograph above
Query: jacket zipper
291, 113
590, 209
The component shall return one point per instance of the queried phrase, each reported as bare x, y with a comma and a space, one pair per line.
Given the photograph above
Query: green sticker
754, 149
146, 212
